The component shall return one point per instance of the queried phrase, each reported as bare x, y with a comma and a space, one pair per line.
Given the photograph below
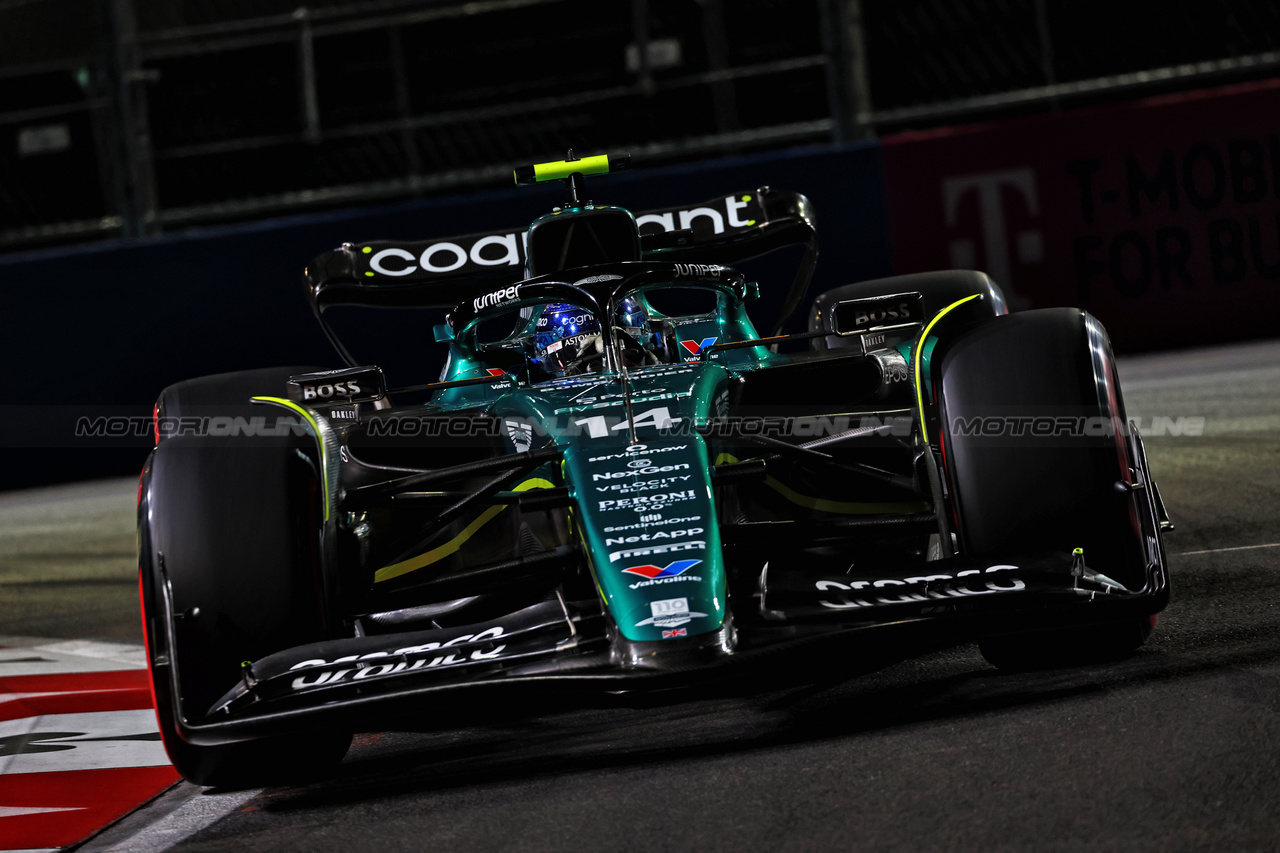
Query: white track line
167, 821
1218, 550
170, 818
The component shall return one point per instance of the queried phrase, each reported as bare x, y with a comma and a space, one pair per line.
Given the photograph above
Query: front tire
1033, 429
229, 530
1085, 644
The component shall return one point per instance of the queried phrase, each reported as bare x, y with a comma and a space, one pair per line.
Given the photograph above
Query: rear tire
939, 289
221, 394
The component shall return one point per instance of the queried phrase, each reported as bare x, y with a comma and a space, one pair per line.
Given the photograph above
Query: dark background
160, 115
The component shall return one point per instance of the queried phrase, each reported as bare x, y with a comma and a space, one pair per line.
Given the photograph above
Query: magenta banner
1159, 216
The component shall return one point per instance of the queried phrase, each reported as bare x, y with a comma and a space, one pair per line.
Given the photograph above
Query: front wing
360, 682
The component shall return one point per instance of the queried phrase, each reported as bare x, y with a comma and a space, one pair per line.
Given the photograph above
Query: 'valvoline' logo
695, 347
679, 567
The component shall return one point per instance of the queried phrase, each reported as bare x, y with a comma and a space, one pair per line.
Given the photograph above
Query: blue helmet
560, 330
566, 338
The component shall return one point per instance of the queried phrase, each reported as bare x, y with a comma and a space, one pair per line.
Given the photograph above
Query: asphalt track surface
1176, 748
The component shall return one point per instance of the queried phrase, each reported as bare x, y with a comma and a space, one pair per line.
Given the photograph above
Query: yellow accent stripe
591, 565
597, 165
824, 505
315, 429
924, 430
438, 553
844, 507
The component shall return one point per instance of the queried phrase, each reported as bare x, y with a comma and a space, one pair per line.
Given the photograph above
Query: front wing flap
993, 584
336, 667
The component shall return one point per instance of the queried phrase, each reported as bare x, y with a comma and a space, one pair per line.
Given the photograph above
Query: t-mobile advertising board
1160, 216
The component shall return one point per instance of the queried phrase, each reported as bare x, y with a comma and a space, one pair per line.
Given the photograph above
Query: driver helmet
632, 319
560, 331
567, 337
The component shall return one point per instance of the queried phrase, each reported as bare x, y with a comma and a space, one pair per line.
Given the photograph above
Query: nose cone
647, 519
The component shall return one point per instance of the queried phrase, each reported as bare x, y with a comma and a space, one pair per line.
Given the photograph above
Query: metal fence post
722, 89
307, 76
1046, 47
137, 191
404, 107
849, 92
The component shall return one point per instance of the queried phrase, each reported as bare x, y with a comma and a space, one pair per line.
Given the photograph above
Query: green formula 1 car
619, 484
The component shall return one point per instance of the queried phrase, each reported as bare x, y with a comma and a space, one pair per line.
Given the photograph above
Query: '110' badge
670, 613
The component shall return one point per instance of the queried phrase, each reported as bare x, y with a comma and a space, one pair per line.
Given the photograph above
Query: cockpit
569, 341
550, 337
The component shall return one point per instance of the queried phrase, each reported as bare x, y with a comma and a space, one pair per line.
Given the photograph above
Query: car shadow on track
555, 736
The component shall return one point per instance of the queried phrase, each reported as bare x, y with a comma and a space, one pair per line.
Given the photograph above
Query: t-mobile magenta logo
994, 224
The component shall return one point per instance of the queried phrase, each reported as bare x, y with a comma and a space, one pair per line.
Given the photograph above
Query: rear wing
443, 273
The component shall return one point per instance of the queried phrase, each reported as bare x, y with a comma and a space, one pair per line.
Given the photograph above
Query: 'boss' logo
326, 392
901, 311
